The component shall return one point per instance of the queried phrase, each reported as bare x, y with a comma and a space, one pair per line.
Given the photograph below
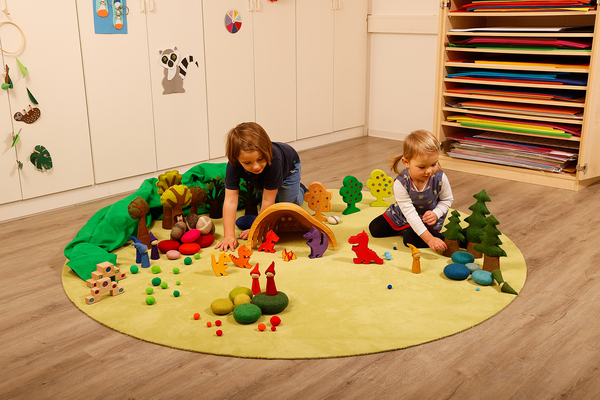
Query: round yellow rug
337, 308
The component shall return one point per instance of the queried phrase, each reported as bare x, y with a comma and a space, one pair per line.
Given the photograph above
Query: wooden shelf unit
450, 59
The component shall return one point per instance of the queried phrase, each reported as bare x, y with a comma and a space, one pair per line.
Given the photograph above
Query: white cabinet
135, 128
332, 62
251, 74
51, 55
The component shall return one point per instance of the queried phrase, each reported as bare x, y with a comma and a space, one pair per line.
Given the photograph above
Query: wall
403, 45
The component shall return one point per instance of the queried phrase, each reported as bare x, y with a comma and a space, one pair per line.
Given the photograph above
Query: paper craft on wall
22, 68
233, 21
22, 37
7, 84
33, 100
110, 18
175, 69
29, 117
16, 138
40, 158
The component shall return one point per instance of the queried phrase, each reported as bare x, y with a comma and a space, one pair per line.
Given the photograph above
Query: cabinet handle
151, 6
333, 4
142, 6
250, 5
4, 7
339, 4
257, 5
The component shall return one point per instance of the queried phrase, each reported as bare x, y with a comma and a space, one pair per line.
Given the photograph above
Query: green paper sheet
111, 226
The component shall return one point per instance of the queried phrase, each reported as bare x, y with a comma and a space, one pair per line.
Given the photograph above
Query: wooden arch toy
286, 217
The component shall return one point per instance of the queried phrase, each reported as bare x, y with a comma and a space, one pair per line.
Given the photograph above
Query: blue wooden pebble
472, 267
462, 257
483, 278
457, 272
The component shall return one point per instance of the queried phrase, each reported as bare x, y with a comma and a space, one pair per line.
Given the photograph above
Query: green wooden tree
351, 193
490, 245
453, 234
477, 221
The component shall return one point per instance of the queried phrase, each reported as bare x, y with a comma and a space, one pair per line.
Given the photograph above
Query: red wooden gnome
255, 273
270, 272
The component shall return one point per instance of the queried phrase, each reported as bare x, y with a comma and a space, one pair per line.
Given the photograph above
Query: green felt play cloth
111, 227
337, 308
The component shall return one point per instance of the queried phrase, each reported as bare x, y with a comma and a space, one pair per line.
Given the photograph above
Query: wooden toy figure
220, 267
318, 199
269, 244
317, 241
154, 255
364, 255
143, 249
243, 258
416, 264
288, 255
270, 272
380, 186
255, 274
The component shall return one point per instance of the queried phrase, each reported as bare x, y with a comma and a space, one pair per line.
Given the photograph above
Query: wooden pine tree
453, 234
477, 221
490, 245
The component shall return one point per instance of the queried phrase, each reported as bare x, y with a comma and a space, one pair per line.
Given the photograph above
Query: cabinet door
180, 119
275, 67
118, 86
229, 70
350, 64
315, 31
53, 60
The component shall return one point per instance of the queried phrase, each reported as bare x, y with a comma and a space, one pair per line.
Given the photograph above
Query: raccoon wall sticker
175, 69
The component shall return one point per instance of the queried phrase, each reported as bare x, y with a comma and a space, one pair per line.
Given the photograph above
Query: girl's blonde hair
248, 136
418, 142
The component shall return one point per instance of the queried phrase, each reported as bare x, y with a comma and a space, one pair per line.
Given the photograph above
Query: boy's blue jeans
290, 191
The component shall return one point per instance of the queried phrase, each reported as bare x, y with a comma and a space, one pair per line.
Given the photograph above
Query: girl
423, 195
270, 166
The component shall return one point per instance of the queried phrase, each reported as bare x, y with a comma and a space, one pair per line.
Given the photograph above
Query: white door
180, 118
229, 68
117, 80
54, 77
315, 31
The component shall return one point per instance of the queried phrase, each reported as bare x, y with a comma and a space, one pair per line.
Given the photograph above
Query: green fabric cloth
111, 226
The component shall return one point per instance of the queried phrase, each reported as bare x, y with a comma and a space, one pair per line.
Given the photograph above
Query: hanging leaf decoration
19, 164
16, 138
40, 158
33, 100
22, 68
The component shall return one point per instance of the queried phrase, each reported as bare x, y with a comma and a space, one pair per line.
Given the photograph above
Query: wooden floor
544, 345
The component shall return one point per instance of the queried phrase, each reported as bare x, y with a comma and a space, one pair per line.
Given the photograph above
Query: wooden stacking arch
286, 217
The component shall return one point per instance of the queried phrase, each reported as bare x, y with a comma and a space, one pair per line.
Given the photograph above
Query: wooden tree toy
137, 209
102, 282
318, 199
453, 234
380, 186
351, 192
416, 255
176, 197
249, 198
364, 255
490, 245
477, 221
165, 181
198, 198
216, 197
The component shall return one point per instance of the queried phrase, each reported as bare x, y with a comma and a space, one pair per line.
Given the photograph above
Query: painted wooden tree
380, 186
216, 196
249, 198
176, 197
351, 193
198, 198
164, 182
137, 209
453, 234
318, 199
490, 245
477, 221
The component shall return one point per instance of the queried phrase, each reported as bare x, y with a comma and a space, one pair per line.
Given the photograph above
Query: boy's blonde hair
418, 142
248, 136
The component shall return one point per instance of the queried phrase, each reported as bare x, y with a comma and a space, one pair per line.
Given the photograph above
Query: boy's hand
244, 234
228, 243
430, 218
436, 244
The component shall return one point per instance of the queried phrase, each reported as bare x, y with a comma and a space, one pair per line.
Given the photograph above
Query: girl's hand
436, 244
244, 234
430, 218
227, 243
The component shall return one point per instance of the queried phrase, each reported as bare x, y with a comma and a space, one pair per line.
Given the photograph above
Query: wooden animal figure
29, 117
244, 254
317, 241
364, 255
269, 244
175, 69
219, 267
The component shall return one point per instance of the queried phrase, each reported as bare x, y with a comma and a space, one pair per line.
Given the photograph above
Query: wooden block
97, 275
106, 268
92, 299
117, 291
91, 282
